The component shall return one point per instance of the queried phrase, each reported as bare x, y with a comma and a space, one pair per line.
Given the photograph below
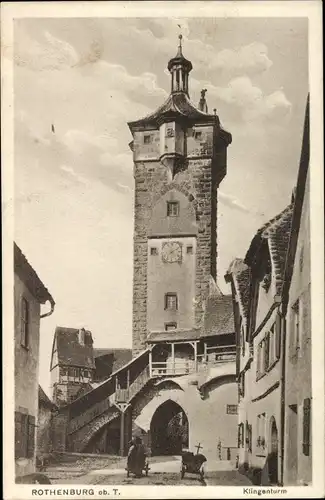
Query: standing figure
136, 460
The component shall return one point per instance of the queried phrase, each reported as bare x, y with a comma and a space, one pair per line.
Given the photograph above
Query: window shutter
250, 437
266, 350
31, 436
306, 426
278, 328
18, 434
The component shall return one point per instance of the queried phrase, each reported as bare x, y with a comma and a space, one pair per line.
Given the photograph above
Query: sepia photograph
165, 294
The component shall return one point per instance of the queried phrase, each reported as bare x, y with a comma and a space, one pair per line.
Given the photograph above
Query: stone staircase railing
88, 415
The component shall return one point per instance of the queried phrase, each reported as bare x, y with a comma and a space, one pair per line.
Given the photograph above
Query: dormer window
147, 139
172, 209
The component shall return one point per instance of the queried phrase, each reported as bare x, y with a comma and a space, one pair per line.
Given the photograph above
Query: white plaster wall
208, 420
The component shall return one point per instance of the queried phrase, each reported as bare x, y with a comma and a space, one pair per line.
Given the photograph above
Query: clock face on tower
172, 252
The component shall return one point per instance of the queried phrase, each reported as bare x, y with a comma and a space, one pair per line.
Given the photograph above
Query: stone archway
106, 439
169, 429
273, 453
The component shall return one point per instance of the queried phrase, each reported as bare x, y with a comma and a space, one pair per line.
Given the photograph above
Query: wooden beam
122, 427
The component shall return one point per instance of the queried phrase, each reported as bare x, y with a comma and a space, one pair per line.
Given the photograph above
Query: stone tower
180, 158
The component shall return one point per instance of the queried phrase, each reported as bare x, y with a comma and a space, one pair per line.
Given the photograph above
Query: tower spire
179, 68
179, 53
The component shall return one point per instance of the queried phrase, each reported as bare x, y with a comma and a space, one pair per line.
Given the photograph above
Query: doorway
169, 429
292, 451
273, 455
106, 440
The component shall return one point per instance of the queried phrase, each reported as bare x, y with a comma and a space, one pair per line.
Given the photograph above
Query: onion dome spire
179, 68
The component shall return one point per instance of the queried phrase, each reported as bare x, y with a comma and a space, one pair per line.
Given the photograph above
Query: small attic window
147, 139
266, 281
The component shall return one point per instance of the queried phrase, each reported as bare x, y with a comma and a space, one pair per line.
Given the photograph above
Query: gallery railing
213, 357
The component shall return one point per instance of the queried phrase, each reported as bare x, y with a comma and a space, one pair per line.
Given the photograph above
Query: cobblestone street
163, 471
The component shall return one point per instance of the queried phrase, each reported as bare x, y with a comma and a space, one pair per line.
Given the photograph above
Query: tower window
189, 249
170, 132
147, 139
170, 326
171, 301
153, 251
172, 208
198, 135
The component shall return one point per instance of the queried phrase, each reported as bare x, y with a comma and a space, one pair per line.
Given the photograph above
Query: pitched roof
241, 274
70, 351
219, 316
174, 335
302, 190
276, 232
43, 399
29, 276
112, 358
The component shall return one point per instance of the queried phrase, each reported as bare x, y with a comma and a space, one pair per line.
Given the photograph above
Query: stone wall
151, 182
44, 430
59, 428
26, 366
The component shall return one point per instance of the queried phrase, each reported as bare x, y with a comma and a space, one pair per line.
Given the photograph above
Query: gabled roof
241, 274
29, 276
302, 190
218, 316
44, 400
70, 351
276, 232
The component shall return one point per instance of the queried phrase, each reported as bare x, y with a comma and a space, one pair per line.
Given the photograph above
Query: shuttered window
306, 426
31, 436
266, 351
241, 435
21, 435
278, 327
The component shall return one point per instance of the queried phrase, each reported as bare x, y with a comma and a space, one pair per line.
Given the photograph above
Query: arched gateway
169, 429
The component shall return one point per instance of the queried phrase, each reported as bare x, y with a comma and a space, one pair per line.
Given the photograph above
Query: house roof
219, 316
29, 276
302, 189
43, 399
115, 358
276, 232
70, 351
241, 274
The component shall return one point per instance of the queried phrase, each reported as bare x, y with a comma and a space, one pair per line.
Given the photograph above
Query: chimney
202, 103
81, 336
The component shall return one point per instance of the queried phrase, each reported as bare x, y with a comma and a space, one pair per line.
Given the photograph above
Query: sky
77, 82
